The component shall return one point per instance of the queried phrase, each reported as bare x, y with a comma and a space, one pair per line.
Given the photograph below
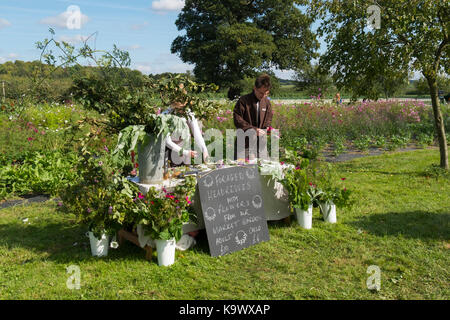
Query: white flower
25, 220
114, 245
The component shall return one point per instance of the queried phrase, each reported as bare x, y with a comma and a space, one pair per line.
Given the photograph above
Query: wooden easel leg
148, 253
120, 237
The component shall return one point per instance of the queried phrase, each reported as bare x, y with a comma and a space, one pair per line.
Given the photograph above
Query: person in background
337, 98
175, 146
254, 110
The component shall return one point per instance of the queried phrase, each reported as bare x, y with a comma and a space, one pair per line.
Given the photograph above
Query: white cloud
132, 47
165, 62
144, 67
9, 57
167, 5
73, 39
139, 26
4, 23
72, 18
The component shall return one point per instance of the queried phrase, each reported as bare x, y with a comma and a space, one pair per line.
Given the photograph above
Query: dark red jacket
244, 114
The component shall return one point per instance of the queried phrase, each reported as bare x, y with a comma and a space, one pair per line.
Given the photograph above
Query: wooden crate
132, 237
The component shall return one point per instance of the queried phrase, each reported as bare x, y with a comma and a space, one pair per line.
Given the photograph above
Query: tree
229, 40
314, 80
443, 83
412, 35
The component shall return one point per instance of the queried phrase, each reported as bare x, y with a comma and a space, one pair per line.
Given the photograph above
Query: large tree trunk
438, 121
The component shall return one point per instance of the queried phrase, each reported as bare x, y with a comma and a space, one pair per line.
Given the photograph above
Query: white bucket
99, 247
328, 212
304, 218
166, 252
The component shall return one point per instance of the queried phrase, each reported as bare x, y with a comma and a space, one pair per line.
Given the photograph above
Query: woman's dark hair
263, 81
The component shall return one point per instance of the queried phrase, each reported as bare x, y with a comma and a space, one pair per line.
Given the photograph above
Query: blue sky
144, 28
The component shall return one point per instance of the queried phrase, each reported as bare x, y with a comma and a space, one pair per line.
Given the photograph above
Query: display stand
132, 237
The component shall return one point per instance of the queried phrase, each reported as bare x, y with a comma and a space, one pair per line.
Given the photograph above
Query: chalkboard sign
232, 208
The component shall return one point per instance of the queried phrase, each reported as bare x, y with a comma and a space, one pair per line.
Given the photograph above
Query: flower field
311, 126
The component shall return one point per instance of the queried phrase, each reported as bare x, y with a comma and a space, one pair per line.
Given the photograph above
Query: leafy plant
425, 139
329, 186
102, 199
339, 145
379, 141
39, 173
163, 213
296, 183
363, 142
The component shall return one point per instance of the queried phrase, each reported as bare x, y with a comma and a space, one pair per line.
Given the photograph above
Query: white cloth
193, 125
185, 242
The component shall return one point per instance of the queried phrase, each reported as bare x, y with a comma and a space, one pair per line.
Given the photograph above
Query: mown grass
400, 223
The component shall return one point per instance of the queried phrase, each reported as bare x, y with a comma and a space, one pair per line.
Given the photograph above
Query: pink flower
106, 148
298, 168
140, 196
30, 139
188, 201
133, 172
343, 179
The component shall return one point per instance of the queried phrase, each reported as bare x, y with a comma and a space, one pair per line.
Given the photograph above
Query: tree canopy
229, 40
411, 35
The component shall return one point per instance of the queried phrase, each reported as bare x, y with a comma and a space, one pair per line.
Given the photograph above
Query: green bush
39, 173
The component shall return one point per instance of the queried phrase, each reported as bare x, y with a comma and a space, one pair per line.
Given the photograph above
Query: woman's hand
205, 156
193, 154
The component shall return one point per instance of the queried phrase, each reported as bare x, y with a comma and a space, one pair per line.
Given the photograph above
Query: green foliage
314, 81
329, 186
406, 40
163, 213
339, 145
297, 185
38, 173
228, 41
443, 83
363, 142
102, 199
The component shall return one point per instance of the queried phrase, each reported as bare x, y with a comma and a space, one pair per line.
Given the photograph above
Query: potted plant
162, 215
332, 193
149, 127
296, 182
101, 200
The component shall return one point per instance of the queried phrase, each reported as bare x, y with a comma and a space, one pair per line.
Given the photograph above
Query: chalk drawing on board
250, 173
210, 214
208, 182
241, 237
257, 201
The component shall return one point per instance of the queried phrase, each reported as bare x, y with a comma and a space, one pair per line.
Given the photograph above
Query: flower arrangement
163, 213
102, 199
329, 187
297, 184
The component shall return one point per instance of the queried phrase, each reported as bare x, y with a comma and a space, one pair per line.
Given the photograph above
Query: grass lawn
400, 223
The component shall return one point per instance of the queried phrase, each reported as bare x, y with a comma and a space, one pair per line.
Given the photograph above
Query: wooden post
4, 95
